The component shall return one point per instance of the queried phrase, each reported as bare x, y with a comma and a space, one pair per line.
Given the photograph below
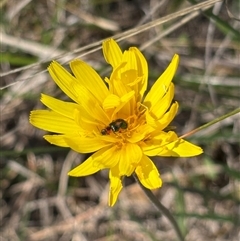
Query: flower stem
161, 208
234, 112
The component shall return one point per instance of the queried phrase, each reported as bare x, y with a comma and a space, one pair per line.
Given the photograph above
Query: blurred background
38, 201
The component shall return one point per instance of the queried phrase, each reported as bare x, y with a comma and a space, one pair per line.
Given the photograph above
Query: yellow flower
113, 119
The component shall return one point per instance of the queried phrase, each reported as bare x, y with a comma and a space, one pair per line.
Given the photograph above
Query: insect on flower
115, 126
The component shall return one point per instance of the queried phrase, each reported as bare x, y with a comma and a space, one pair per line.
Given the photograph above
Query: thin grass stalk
161, 208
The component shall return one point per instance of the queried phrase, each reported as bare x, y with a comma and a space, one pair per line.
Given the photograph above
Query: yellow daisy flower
114, 119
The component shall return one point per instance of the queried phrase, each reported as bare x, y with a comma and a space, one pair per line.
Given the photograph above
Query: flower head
114, 119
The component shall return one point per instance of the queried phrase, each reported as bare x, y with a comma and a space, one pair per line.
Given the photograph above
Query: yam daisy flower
113, 119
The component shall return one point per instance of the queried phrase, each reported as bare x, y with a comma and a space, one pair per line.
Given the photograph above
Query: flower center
125, 129
135, 122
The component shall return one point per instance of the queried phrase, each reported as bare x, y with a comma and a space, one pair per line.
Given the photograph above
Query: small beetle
115, 126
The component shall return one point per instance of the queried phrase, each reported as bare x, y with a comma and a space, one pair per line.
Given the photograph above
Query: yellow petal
78, 92
131, 77
54, 122
84, 169
113, 104
90, 79
107, 157
163, 104
153, 146
168, 117
61, 107
116, 84
90, 105
112, 53
57, 140
115, 186
85, 144
140, 133
165, 120
161, 86
142, 68
148, 174
111, 101
86, 121
118, 88
181, 148
130, 69
63, 79
130, 156
168, 144
130, 73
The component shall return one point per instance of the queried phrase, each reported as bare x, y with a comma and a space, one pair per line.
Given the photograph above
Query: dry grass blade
90, 19
36, 49
119, 37
71, 224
